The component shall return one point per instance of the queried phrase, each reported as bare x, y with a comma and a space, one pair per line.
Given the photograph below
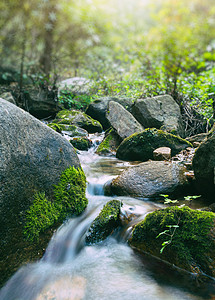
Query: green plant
70, 100
167, 200
170, 233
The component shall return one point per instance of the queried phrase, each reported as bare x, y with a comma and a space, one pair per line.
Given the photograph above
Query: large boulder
160, 111
204, 165
140, 146
122, 121
180, 236
97, 109
79, 119
32, 159
150, 179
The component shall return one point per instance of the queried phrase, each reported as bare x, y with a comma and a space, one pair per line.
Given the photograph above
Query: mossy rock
70, 130
105, 223
69, 200
56, 127
78, 118
140, 146
109, 145
192, 246
81, 143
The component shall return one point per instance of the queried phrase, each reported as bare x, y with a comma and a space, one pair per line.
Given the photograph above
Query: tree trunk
50, 25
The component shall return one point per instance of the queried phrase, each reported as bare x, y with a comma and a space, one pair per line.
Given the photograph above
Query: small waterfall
111, 270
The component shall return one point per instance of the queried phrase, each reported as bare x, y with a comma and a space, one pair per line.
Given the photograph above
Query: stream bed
110, 270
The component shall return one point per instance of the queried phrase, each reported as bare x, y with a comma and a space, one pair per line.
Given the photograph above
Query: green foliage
168, 232
73, 101
69, 200
167, 200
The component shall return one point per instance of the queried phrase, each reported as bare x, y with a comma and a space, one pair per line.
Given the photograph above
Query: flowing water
111, 270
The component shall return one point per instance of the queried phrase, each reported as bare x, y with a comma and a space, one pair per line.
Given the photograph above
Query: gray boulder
41, 103
204, 165
32, 158
159, 112
122, 121
97, 109
149, 179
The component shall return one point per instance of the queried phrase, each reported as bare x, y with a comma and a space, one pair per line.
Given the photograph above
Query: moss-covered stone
109, 144
192, 245
69, 199
105, 223
81, 143
56, 127
140, 146
78, 118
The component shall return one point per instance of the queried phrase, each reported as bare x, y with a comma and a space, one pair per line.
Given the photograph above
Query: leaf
164, 232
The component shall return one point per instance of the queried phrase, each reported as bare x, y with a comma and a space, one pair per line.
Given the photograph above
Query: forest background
134, 49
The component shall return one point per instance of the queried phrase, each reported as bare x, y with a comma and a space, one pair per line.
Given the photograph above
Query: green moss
105, 223
78, 118
140, 146
69, 200
81, 143
41, 215
190, 242
66, 113
70, 192
56, 127
105, 147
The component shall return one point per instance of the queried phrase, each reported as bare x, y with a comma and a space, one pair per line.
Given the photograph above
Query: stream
110, 270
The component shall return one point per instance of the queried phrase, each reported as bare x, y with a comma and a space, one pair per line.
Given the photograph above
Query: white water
111, 270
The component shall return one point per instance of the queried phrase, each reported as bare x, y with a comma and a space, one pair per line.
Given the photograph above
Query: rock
98, 109
81, 143
70, 130
75, 85
105, 223
33, 158
79, 119
122, 121
140, 146
41, 103
162, 153
192, 246
150, 179
8, 96
109, 145
160, 111
204, 166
